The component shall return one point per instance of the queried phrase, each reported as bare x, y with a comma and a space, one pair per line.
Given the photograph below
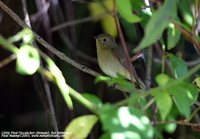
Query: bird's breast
110, 65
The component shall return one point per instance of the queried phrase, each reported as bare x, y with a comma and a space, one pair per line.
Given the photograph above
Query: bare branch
47, 45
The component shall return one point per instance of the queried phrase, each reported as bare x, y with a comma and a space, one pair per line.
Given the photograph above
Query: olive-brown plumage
111, 57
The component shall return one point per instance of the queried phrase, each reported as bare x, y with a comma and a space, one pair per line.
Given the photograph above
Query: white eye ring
105, 40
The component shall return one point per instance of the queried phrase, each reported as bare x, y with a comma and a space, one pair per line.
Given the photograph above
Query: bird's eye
105, 40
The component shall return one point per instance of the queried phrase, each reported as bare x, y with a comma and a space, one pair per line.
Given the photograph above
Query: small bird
111, 58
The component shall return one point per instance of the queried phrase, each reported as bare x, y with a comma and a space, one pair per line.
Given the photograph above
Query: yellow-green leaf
162, 79
196, 82
181, 99
107, 20
179, 66
173, 36
125, 122
164, 103
28, 60
125, 10
80, 127
158, 22
60, 82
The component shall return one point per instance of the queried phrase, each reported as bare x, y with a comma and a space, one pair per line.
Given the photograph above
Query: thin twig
47, 45
176, 82
149, 67
179, 123
56, 52
193, 114
161, 53
195, 18
123, 43
91, 106
78, 21
45, 20
46, 85
197, 103
136, 56
189, 63
187, 34
193, 62
70, 14
149, 104
26, 15
7, 60
58, 18
43, 11
148, 75
86, 57
63, 57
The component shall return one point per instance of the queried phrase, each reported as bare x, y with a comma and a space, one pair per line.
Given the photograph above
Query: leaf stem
171, 84
7, 45
193, 114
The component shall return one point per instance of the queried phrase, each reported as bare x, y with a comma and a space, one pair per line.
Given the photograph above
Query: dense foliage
53, 48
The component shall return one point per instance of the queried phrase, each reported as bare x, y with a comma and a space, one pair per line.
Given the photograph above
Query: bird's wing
119, 54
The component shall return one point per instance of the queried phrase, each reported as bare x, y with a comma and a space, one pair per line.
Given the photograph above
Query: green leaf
26, 34
60, 81
192, 92
158, 23
133, 99
137, 4
179, 66
170, 127
80, 127
123, 83
181, 100
137, 100
196, 82
130, 31
109, 25
105, 136
173, 36
164, 103
102, 78
125, 10
93, 99
107, 21
186, 11
125, 123
28, 60
162, 79
184, 95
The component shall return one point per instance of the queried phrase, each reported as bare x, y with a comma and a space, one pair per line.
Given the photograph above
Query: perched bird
111, 57
112, 60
